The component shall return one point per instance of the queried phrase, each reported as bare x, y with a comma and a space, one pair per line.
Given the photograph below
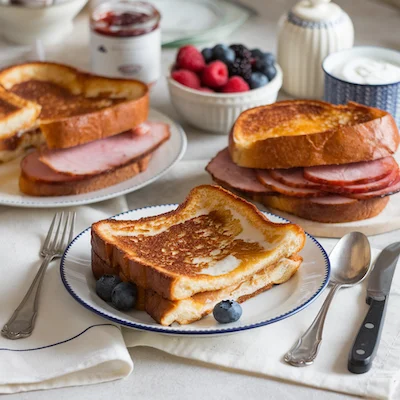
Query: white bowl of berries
209, 89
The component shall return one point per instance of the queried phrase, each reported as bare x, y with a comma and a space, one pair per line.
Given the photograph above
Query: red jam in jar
126, 40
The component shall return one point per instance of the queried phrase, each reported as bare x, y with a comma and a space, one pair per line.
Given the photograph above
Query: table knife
367, 341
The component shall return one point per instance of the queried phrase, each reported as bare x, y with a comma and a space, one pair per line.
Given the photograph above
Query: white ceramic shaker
310, 31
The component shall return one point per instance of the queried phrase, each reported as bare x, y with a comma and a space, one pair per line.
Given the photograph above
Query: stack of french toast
214, 246
312, 159
90, 131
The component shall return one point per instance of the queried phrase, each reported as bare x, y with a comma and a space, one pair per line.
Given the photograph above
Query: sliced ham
142, 129
351, 174
364, 187
224, 170
105, 154
392, 189
35, 170
293, 177
266, 179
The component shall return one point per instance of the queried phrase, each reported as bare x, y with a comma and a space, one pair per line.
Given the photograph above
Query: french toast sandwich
90, 132
204, 250
312, 159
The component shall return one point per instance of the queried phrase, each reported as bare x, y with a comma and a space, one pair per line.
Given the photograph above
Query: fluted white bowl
217, 112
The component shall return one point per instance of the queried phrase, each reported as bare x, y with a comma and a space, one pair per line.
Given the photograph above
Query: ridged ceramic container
307, 34
383, 96
217, 112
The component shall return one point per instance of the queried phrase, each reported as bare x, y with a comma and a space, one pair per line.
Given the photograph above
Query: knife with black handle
366, 344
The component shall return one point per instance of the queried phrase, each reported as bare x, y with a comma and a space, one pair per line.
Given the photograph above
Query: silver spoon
350, 261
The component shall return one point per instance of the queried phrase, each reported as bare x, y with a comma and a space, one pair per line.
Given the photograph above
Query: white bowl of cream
365, 74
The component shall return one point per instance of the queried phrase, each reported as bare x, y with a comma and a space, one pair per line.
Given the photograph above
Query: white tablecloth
158, 375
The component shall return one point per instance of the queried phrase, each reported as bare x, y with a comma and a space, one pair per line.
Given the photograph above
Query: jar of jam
125, 40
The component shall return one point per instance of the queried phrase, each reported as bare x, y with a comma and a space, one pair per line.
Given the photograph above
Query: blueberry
227, 311
223, 53
124, 296
257, 80
256, 53
207, 54
266, 69
105, 285
268, 58
271, 72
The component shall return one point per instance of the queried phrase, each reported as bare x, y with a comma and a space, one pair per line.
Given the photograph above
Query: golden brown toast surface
76, 107
188, 248
302, 133
59, 102
7, 108
289, 118
212, 240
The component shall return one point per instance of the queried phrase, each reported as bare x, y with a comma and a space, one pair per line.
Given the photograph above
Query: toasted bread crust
332, 213
17, 145
160, 308
63, 132
85, 185
374, 138
166, 282
100, 268
17, 115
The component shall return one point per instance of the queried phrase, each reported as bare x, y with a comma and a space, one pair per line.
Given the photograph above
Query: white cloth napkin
69, 346
98, 352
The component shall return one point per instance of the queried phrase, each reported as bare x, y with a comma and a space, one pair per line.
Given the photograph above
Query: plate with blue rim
271, 306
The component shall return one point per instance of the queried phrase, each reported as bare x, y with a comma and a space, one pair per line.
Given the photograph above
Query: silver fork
22, 321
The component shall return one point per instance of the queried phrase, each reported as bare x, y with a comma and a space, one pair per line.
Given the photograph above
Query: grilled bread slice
77, 107
213, 240
302, 133
185, 311
57, 184
17, 116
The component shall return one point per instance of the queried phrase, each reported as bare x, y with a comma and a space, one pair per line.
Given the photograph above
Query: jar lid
317, 10
123, 18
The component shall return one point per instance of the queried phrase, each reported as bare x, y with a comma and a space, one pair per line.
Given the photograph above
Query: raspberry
236, 84
190, 58
215, 74
187, 78
206, 89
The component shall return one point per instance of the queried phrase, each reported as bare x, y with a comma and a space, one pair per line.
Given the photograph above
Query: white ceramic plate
280, 302
163, 159
196, 21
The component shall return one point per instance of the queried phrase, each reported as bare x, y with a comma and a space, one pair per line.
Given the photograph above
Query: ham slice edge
105, 154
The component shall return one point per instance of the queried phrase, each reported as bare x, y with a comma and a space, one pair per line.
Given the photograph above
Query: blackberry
241, 67
241, 51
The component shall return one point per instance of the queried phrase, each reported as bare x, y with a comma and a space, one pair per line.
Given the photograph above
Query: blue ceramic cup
339, 90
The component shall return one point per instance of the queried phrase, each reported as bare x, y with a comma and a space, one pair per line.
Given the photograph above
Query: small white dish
25, 25
280, 302
162, 161
217, 112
